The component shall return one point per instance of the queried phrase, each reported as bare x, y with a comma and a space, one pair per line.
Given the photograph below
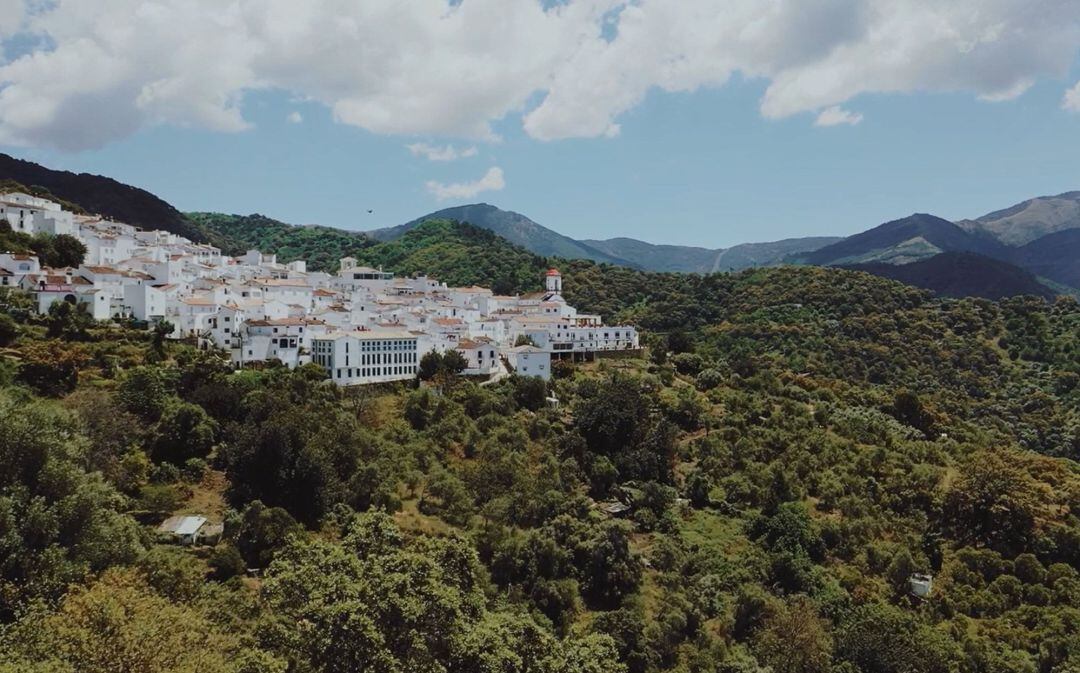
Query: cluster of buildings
362, 325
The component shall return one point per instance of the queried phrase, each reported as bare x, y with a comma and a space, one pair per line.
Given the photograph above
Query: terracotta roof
474, 288
278, 322
280, 282
479, 342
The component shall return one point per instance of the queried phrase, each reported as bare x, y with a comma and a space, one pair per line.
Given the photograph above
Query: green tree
145, 392
794, 639
430, 365
68, 321
879, 638
121, 624
158, 334
67, 251
994, 501
530, 392
57, 522
9, 330
383, 602
262, 532
185, 431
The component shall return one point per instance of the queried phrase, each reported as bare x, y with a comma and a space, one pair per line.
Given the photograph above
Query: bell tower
553, 281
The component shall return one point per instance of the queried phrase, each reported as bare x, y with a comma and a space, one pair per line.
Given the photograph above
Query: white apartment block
367, 356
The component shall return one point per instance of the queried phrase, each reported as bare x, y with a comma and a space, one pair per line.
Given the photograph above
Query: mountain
320, 247
101, 195
512, 226
1028, 221
689, 259
748, 255
454, 252
910, 239
1055, 256
680, 258
962, 274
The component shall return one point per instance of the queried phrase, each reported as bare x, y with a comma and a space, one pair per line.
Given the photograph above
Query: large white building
367, 356
361, 324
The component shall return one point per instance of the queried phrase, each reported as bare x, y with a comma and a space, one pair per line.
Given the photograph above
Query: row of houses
363, 325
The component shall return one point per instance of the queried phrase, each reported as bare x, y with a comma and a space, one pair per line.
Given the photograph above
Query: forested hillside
798, 443
99, 195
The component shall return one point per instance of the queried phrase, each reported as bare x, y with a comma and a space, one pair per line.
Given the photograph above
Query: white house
481, 354
145, 302
18, 266
263, 340
530, 361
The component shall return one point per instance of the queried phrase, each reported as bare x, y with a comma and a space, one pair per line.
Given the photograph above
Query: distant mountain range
515, 228
521, 230
1032, 247
687, 259
1040, 236
1011, 249
1030, 220
962, 274
903, 241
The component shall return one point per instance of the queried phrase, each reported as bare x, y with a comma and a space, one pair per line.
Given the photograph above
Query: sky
694, 122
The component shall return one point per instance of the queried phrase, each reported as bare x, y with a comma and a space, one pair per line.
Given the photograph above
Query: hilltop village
363, 325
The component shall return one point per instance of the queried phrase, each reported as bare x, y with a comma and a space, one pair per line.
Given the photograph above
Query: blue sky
706, 162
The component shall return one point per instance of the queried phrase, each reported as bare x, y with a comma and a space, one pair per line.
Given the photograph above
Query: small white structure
481, 354
530, 361
921, 585
184, 529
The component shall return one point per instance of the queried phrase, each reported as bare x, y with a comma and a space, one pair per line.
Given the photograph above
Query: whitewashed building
367, 356
530, 361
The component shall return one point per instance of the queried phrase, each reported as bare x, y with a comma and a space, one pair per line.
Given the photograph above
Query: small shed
185, 529
614, 508
921, 585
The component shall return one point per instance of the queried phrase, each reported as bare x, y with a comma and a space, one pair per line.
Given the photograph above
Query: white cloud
436, 153
836, 115
433, 67
295, 117
492, 181
12, 13
1071, 102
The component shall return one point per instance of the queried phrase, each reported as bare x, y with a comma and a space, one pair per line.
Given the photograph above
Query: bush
708, 379
226, 562
160, 499
9, 330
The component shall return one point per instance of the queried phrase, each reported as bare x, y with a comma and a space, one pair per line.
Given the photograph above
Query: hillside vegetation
99, 195
798, 444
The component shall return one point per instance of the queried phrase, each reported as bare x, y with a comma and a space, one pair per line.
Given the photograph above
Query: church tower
553, 281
